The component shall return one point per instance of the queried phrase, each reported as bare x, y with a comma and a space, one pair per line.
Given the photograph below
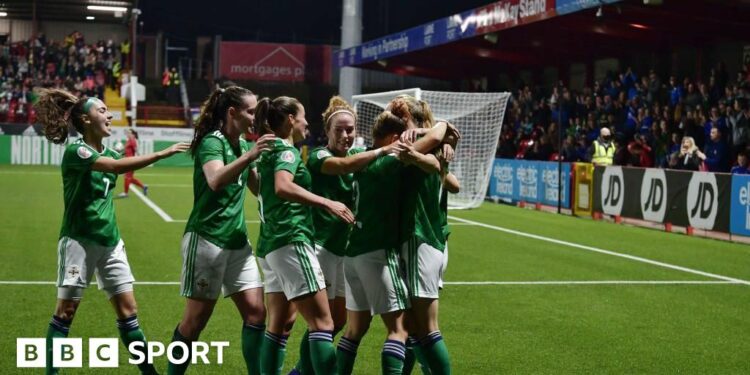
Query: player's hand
448, 152
340, 210
393, 148
264, 143
452, 134
411, 135
408, 155
175, 149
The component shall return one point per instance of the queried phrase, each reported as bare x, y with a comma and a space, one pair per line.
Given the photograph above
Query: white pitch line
595, 282
172, 185
153, 205
32, 172
185, 221
506, 283
602, 251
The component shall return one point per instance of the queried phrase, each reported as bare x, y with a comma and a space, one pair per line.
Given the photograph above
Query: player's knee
339, 322
289, 324
356, 331
256, 315
66, 310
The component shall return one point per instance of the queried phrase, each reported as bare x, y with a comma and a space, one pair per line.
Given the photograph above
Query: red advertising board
509, 13
263, 61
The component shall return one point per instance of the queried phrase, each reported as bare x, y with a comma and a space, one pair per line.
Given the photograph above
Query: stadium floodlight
3, 14
90, 18
478, 116
600, 12
107, 8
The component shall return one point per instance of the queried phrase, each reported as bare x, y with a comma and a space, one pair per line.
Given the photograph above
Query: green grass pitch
681, 322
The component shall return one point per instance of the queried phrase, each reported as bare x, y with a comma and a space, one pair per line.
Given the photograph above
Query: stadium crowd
81, 68
674, 123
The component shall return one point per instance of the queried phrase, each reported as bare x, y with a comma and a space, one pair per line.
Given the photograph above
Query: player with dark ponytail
293, 276
216, 253
89, 239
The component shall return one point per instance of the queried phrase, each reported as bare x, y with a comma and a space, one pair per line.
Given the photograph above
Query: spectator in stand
691, 127
718, 121
602, 150
569, 152
740, 124
689, 157
676, 92
507, 146
717, 153
741, 167
42, 62
641, 150
539, 150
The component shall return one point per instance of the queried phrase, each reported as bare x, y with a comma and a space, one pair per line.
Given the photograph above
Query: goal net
478, 116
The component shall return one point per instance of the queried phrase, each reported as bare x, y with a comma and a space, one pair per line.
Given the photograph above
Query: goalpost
478, 116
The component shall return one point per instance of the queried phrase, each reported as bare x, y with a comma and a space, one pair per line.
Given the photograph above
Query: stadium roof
65, 10
538, 33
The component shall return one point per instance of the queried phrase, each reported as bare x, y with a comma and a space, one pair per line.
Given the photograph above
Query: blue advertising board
739, 221
529, 181
570, 6
441, 31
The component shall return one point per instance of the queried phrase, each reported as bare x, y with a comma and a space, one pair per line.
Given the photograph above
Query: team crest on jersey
73, 272
323, 154
83, 152
287, 156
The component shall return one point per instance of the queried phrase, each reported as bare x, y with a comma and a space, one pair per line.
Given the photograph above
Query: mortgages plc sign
263, 61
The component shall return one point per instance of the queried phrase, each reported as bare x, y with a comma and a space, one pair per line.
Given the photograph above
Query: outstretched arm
349, 164
426, 162
286, 189
441, 132
119, 166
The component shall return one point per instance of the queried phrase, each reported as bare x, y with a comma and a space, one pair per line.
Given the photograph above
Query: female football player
331, 167
216, 253
90, 241
285, 246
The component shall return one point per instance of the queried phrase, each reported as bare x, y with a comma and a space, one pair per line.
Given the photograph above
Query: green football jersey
282, 222
219, 216
421, 215
444, 206
330, 232
89, 211
444, 212
376, 206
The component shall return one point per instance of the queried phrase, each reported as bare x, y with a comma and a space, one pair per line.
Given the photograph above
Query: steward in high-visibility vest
603, 149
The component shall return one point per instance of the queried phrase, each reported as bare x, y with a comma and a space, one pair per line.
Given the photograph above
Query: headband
340, 111
89, 103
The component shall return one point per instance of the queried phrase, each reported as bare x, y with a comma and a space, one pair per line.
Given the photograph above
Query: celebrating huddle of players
350, 234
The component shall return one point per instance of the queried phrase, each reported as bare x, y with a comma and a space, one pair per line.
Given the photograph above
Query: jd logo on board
702, 200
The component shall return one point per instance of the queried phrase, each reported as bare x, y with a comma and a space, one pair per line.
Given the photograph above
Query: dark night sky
287, 21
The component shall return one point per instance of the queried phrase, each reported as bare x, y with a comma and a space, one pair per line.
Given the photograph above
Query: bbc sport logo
104, 352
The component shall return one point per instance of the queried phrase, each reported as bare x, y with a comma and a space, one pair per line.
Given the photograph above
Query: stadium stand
84, 68
649, 115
